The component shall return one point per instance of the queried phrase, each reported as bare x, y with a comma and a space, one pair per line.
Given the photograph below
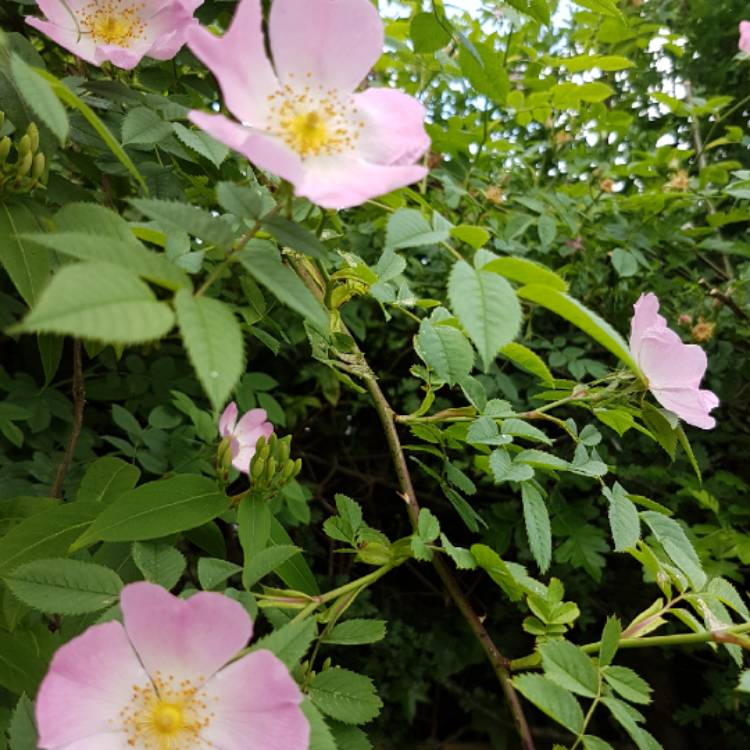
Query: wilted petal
89, 680
185, 639
256, 706
335, 41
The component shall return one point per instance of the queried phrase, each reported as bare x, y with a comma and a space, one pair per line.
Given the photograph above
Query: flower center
164, 715
313, 121
112, 22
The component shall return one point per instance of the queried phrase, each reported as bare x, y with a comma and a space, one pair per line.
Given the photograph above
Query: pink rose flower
244, 435
159, 682
744, 43
119, 31
300, 118
674, 370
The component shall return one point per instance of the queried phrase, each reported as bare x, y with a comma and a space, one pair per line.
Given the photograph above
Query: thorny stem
497, 660
79, 402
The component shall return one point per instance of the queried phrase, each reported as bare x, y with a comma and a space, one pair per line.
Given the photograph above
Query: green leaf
345, 695
428, 527
265, 562
462, 558
623, 518
595, 743
22, 734
529, 361
157, 509
40, 96
291, 234
28, 266
526, 272
202, 143
537, 9
486, 75
408, 228
570, 668
264, 263
47, 534
603, 7
119, 308
538, 530
676, 544
559, 704
428, 34
595, 91
628, 684
295, 572
497, 569
253, 526
160, 563
214, 342
242, 201
356, 632
65, 587
350, 738
21, 665
471, 235
520, 428
624, 715
289, 642
744, 684
181, 217
610, 641
213, 572
320, 733
445, 350
107, 478
487, 308
128, 254
143, 126
506, 470
574, 312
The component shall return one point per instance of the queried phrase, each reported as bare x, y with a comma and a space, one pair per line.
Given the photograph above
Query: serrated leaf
526, 271
538, 529
462, 557
603, 7
265, 562
157, 509
349, 738
346, 696
107, 478
202, 143
65, 587
142, 126
445, 350
570, 668
295, 572
574, 312
291, 234
21, 665
22, 734
264, 263
595, 743
213, 572
497, 569
356, 632
623, 518
321, 737
160, 563
119, 308
520, 428
408, 228
506, 470
487, 308
610, 641
243, 201
676, 544
428, 34
289, 642
214, 342
628, 684
41, 98
428, 526
529, 361
559, 704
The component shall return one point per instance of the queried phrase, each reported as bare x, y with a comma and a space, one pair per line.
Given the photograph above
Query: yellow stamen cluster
115, 22
166, 715
312, 120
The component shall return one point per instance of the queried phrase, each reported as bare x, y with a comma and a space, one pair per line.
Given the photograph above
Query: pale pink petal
168, 30
127, 59
744, 42
646, 315
336, 41
239, 63
667, 362
82, 48
689, 404
109, 741
247, 443
264, 151
242, 458
256, 706
228, 420
247, 428
187, 639
89, 681
55, 11
394, 127
341, 182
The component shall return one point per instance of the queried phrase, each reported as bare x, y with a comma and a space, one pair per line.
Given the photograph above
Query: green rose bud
33, 132
37, 168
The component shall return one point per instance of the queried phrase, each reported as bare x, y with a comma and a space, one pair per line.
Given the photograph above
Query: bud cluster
22, 165
272, 467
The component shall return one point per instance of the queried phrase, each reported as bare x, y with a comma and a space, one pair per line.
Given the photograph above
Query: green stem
589, 713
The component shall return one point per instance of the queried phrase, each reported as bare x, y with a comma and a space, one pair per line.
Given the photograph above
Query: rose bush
314, 322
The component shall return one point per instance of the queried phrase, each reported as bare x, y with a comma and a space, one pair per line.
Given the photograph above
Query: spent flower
243, 434
122, 32
300, 118
674, 370
164, 679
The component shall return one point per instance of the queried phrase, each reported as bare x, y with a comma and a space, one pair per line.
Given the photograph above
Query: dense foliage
474, 523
